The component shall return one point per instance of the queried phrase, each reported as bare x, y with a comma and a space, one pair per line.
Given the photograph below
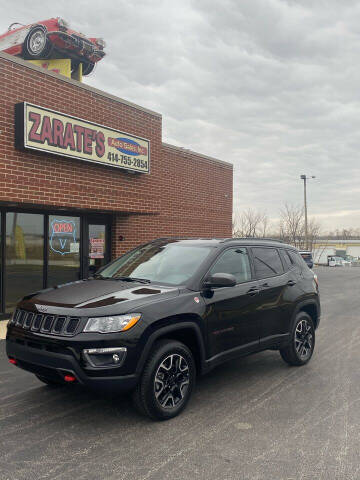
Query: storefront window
1, 269
64, 249
24, 256
97, 247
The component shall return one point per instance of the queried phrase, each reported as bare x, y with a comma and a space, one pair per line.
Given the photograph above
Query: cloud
268, 85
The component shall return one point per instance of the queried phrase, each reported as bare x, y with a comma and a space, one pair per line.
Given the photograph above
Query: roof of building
187, 151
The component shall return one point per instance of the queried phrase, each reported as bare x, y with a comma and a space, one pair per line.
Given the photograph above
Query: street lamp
304, 177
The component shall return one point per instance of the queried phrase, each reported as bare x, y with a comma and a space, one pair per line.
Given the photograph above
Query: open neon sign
63, 233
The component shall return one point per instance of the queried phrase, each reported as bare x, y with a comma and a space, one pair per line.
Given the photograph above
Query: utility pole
304, 177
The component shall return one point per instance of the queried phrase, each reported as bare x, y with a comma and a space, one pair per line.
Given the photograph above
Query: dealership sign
45, 130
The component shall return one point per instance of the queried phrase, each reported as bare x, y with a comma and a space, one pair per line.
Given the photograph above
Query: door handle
291, 283
265, 285
253, 291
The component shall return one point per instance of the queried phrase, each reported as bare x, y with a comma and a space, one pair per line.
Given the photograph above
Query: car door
231, 312
273, 281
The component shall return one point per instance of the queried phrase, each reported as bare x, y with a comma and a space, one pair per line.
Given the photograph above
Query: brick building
66, 205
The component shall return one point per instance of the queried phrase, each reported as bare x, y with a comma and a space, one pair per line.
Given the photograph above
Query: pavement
254, 418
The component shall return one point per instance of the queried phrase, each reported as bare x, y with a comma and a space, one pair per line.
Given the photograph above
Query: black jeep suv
154, 318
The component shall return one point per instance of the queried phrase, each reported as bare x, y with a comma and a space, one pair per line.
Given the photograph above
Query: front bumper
76, 45
53, 360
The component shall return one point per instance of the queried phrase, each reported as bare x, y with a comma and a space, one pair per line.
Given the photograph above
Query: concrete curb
3, 324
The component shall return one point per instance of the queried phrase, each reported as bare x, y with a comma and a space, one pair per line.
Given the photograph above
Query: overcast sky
271, 86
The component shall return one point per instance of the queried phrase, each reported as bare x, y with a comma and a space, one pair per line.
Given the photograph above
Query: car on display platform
155, 318
52, 38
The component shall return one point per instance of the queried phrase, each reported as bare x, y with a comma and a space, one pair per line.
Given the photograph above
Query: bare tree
250, 223
292, 227
314, 228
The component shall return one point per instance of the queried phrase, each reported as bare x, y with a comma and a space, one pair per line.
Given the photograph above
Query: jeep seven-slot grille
46, 323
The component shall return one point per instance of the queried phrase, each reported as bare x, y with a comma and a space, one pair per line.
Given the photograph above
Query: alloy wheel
171, 381
303, 339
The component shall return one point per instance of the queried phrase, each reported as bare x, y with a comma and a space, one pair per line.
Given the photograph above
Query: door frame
85, 219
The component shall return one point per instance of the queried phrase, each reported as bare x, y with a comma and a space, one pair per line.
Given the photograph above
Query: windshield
172, 263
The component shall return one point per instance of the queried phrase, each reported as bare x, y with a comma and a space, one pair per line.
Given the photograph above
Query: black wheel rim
171, 381
304, 339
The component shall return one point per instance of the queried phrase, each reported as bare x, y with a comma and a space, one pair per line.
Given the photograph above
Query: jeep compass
165, 312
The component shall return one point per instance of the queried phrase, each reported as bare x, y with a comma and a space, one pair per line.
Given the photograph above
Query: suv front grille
37, 322
28, 320
50, 324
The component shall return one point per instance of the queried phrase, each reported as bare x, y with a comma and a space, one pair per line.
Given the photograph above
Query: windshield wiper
132, 279
98, 275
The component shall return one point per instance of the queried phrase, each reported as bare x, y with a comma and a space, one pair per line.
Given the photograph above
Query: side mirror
218, 280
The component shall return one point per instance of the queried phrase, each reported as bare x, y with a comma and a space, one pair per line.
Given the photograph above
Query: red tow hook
13, 361
69, 378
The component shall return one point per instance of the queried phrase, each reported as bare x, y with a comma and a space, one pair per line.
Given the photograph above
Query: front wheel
87, 68
36, 44
302, 343
167, 381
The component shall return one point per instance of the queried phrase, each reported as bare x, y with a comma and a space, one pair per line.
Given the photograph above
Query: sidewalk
3, 329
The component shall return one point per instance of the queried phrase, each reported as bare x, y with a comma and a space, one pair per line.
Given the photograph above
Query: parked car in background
52, 38
165, 312
307, 256
335, 261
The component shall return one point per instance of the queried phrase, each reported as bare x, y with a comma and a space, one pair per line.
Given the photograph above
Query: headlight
116, 323
62, 23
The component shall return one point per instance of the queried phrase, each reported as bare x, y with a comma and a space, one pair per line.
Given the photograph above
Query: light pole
304, 177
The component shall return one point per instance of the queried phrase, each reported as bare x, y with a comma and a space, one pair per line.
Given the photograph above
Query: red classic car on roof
52, 39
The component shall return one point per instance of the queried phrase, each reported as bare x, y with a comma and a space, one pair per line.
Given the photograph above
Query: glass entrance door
97, 249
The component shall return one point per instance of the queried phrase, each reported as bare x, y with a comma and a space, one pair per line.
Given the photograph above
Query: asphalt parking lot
255, 418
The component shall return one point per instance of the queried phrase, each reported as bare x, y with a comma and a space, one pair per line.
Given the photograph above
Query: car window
162, 261
267, 262
286, 259
234, 261
297, 259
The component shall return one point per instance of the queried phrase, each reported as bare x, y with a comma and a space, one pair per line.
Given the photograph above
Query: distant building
322, 249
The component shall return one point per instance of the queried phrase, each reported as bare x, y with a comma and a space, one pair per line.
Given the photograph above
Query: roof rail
254, 238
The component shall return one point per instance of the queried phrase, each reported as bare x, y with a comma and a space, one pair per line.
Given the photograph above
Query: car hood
105, 296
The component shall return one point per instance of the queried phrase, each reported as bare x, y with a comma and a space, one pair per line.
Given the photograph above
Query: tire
87, 68
167, 381
49, 382
302, 343
36, 44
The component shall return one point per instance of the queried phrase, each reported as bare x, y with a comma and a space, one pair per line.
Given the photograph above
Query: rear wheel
301, 347
50, 382
36, 44
167, 381
87, 68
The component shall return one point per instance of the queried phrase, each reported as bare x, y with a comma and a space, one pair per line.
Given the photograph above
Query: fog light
104, 357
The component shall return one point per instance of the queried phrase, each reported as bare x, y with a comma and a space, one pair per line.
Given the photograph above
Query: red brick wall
185, 194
